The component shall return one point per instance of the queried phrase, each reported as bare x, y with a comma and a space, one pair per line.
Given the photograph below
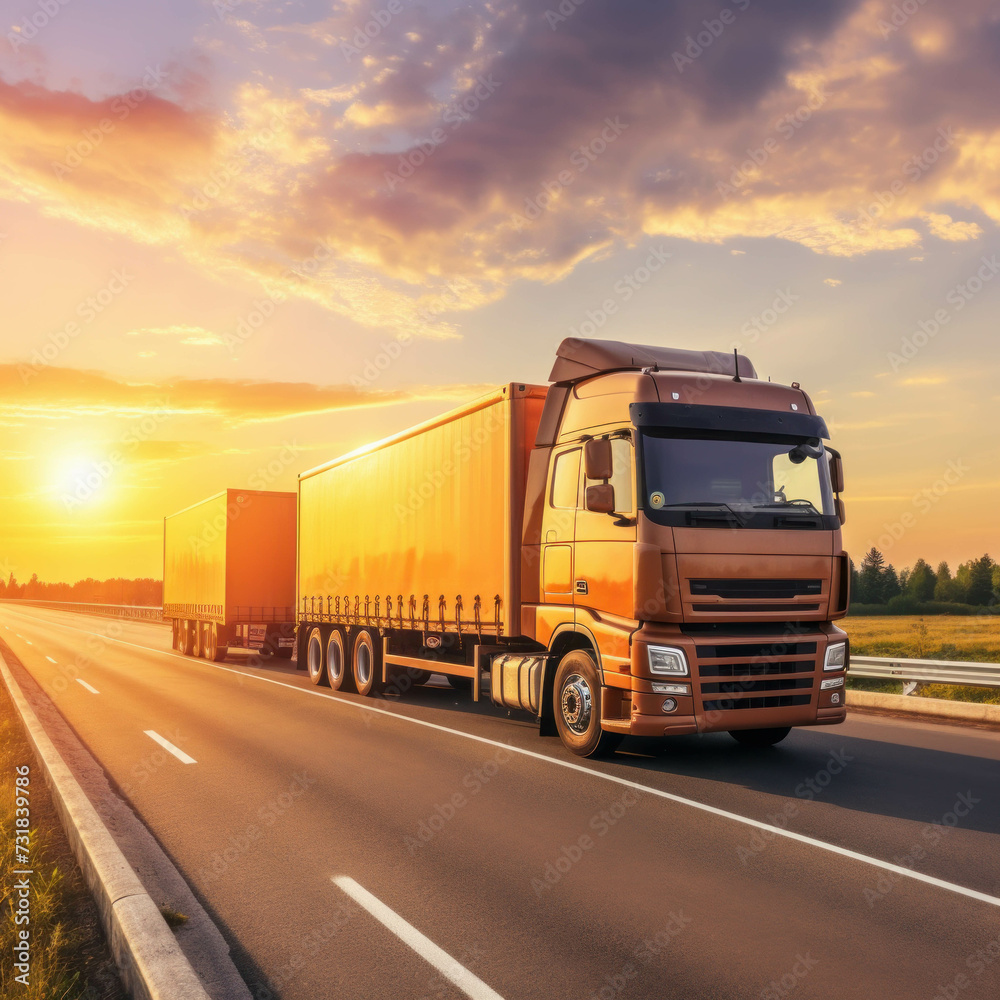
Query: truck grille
766, 672
775, 590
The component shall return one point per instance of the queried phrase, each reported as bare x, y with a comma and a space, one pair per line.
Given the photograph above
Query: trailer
229, 574
648, 546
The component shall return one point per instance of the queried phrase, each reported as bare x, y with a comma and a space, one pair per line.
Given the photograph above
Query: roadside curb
150, 961
937, 707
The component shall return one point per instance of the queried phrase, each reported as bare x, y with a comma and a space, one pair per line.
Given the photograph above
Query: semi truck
648, 546
229, 574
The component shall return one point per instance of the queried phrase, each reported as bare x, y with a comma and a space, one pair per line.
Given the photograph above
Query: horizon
239, 241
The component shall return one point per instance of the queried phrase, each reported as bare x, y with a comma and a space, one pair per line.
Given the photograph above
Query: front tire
760, 737
577, 705
366, 664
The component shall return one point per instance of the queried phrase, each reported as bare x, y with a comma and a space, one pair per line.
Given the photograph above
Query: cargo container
648, 546
229, 574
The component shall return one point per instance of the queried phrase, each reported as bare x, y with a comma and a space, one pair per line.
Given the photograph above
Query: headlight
836, 655
667, 660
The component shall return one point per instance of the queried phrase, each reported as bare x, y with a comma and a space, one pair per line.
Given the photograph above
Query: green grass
69, 957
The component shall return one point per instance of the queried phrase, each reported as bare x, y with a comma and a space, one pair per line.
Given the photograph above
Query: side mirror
836, 472
838, 507
601, 499
597, 459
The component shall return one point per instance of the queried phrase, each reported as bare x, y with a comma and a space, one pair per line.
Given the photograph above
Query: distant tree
870, 589
855, 582
890, 586
981, 581
921, 581
947, 588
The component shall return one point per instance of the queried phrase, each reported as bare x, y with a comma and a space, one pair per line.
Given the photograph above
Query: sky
239, 238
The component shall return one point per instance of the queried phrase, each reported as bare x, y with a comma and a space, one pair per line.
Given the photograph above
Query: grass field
935, 637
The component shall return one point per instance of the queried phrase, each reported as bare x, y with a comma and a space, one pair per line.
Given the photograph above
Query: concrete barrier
937, 707
150, 961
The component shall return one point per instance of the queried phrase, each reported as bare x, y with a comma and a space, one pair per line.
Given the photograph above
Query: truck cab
682, 540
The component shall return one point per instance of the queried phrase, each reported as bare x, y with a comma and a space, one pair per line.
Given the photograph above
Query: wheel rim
364, 664
315, 656
335, 659
576, 702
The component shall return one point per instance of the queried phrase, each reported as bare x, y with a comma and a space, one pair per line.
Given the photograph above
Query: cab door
559, 526
605, 541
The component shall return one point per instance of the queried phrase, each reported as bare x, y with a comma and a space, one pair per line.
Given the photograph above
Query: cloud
69, 394
471, 146
193, 336
832, 282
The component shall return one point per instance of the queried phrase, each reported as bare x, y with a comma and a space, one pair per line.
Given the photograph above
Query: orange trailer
229, 574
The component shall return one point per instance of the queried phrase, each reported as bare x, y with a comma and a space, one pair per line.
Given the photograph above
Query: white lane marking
454, 972
167, 745
92, 690
49, 658
569, 765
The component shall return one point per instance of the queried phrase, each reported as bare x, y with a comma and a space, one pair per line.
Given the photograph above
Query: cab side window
621, 479
565, 490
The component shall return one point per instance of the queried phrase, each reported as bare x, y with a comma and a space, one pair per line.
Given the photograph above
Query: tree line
976, 584
143, 591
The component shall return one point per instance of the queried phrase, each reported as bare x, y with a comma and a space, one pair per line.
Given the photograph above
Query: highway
423, 848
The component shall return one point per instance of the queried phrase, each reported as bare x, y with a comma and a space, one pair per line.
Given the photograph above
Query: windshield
740, 478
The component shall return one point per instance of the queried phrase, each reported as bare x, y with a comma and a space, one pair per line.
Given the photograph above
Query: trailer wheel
578, 706
175, 633
760, 737
338, 666
214, 651
315, 659
200, 640
366, 664
187, 638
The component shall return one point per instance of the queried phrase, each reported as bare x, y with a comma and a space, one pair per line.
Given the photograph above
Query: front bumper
738, 680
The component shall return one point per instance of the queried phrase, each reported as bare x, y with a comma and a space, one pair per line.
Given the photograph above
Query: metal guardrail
134, 611
926, 671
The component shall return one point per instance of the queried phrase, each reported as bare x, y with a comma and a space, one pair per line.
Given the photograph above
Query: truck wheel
315, 661
215, 652
577, 697
760, 737
338, 665
187, 638
366, 664
175, 633
200, 640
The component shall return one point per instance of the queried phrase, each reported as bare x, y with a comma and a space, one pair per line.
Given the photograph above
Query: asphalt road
422, 848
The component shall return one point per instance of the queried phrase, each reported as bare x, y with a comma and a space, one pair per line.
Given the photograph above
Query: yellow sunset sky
240, 238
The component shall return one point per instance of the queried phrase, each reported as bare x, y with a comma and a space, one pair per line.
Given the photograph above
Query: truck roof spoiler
577, 359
